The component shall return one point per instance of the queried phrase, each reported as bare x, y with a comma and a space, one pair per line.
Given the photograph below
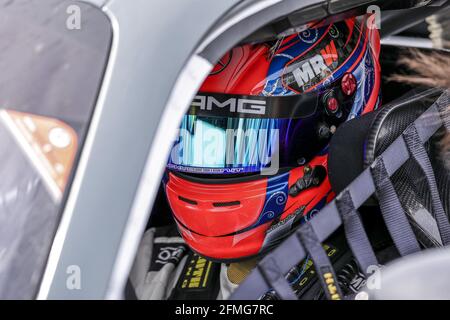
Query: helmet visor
235, 134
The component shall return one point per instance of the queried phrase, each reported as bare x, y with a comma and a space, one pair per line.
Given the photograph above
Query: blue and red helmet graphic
271, 105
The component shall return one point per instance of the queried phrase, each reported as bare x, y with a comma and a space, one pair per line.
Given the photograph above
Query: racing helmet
250, 161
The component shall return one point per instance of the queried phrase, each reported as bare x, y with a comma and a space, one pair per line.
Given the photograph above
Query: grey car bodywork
150, 49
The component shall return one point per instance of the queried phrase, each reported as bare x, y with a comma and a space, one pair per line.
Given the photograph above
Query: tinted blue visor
229, 134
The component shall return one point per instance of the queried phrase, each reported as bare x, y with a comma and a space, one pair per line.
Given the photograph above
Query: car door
52, 70
135, 67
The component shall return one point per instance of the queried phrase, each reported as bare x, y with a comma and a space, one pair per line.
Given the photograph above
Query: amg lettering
249, 106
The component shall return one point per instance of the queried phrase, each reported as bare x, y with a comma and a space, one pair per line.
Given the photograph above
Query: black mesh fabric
409, 181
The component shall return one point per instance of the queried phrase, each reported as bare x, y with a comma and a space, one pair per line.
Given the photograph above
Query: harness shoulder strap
322, 264
354, 231
275, 278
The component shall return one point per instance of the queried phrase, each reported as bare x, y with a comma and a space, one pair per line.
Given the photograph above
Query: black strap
322, 264
393, 214
354, 231
199, 279
276, 279
420, 155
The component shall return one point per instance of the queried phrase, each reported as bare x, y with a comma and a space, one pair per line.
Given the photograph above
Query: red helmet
250, 162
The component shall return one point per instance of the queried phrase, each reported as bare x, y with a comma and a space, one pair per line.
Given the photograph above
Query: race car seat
372, 134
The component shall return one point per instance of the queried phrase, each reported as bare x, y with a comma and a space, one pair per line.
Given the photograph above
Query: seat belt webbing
273, 276
393, 214
322, 264
354, 231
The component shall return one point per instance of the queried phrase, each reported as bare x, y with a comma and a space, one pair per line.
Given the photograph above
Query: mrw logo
305, 72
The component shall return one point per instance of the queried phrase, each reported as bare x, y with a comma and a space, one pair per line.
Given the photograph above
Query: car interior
406, 27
